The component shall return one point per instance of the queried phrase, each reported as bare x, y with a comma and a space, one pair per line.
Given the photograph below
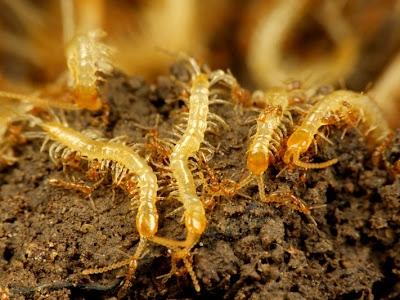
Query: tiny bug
215, 185
288, 199
155, 144
84, 188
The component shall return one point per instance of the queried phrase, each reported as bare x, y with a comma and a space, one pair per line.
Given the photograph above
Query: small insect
86, 57
215, 186
84, 188
239, 94
288, 199
94, 170
155, 144
187, 268
337, 106
131, 163
378, 151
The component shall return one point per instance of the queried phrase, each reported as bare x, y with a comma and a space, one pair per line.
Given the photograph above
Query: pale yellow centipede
86, 56
147, 216
329, 110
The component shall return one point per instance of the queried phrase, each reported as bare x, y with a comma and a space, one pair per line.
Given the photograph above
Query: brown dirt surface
249, 250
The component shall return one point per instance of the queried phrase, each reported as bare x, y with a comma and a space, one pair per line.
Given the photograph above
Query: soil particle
272, 232
217, 265
249, 250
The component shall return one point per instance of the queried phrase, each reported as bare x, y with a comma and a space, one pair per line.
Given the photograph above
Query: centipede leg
132, 266
296, 160
184, 253
186, 245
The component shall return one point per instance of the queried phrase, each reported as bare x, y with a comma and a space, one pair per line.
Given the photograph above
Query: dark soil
250, 249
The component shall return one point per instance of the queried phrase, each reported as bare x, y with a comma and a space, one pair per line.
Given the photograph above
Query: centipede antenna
246, 180
325, 138
107, 268
322, 165
317, 206
312, 220
192, 274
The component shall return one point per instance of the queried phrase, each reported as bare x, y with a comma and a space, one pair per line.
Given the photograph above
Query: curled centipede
337, 106
265, 57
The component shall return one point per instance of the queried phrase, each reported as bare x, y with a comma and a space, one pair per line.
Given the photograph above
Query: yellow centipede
266, 62
270, 132
189, 143
147, 216
268, 135
332, 109
86, 56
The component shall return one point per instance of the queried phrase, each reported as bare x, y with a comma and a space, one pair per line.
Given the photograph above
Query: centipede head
147, 224
257, 161
268, 111
298, 143
86, 97
195, 222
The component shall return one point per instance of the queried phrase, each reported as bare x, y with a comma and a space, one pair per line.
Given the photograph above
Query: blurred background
348, 44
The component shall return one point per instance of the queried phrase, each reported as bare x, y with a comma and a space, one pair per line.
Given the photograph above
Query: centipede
337, 106
198, 216
86, 58
265, 56
195, 219
269, 135
187, 146
129, 162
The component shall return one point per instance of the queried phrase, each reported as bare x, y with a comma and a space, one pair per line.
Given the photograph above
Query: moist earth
249, 250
